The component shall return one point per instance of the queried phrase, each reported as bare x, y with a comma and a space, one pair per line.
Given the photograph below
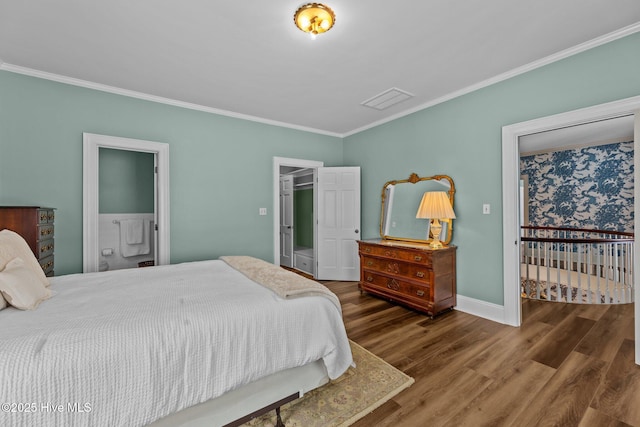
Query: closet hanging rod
117, 221
297, 172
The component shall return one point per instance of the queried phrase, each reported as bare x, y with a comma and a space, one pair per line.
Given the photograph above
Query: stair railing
577, 265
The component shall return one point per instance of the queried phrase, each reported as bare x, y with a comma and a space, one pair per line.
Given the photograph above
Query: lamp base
436, 228
436, 244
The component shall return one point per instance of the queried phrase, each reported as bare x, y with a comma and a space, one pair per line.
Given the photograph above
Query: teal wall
221, 168
125, 181
462, 138
303, 218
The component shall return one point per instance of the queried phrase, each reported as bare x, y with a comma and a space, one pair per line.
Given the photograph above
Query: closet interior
297, 219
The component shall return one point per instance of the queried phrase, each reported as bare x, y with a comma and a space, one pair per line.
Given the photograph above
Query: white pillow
21, 287
12, 245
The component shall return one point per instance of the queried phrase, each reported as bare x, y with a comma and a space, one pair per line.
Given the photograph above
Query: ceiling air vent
386, 99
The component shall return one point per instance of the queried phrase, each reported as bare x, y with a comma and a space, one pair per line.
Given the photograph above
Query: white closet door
338, 223
286, 220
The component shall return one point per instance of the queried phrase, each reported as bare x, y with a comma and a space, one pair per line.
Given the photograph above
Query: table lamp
435, 205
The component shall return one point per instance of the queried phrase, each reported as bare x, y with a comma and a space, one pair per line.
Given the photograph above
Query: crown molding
153, 98
598, 41
615, 35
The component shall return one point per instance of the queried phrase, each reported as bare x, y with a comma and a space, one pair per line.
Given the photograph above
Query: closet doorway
297, 218
317, 218
158, 231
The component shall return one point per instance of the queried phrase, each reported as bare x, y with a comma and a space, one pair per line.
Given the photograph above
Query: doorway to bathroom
125, 203
126, 216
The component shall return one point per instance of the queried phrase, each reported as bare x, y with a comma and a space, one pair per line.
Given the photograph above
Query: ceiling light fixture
314, 18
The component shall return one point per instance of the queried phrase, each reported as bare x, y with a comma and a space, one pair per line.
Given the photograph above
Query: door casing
90, 187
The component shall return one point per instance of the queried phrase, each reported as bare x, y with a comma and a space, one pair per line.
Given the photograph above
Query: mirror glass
400, 201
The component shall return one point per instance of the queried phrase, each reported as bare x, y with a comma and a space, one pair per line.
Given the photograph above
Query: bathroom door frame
90, 187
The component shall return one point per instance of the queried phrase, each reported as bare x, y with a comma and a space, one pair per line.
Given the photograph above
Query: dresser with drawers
411, 274
35, 225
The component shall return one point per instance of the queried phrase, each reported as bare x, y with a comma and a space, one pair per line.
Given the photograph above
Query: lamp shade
436, 205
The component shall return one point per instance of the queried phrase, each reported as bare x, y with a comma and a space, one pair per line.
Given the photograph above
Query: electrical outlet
263, 211
486, 209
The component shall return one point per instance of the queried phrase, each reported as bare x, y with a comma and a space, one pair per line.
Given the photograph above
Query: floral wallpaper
590, 187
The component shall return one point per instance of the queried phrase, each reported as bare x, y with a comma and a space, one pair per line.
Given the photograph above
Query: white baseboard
480, 308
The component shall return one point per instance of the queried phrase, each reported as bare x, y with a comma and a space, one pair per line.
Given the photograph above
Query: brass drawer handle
46, 248
420, 293
417, 257
369, 279
370, 263
420, 274
43, 216
392, 284
46, 231
367, 249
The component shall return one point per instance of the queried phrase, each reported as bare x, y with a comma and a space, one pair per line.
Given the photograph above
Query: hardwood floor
567, 365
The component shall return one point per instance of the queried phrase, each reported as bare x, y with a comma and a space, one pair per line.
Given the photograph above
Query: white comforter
127, 347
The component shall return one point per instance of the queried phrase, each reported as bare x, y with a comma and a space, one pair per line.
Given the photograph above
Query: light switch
486, 209
263, 211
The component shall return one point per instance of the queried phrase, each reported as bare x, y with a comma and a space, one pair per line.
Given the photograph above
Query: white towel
133, 249
134, 230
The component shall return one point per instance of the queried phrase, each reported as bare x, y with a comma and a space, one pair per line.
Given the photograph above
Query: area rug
345, 400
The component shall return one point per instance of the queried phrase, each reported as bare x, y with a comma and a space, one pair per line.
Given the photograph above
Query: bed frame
249, 401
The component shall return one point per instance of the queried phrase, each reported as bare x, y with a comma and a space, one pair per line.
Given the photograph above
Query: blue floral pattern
589, 187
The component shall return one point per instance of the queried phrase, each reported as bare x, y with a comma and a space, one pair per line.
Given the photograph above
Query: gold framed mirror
400, 202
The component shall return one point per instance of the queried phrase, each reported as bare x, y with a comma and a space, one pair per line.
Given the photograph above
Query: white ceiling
247, 59
619, 129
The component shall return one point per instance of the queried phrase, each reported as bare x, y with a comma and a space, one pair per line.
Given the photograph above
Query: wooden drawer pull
392, 284
420, 293
420, 274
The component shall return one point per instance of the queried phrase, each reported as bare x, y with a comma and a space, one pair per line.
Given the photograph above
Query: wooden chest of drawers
411, 274
35, 225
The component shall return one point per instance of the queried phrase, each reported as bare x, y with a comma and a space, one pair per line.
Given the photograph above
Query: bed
199, 343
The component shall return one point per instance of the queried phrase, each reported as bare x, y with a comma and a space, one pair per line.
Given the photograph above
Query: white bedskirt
127, 347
